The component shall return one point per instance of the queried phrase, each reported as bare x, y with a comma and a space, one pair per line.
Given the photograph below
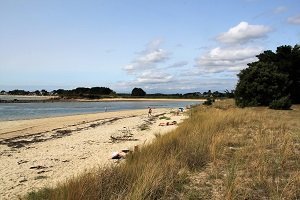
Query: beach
40, 153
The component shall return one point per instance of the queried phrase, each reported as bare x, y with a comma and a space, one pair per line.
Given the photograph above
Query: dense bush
283, 103
273, 76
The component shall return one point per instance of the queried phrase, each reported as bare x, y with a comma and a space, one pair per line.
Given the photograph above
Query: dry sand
43, 152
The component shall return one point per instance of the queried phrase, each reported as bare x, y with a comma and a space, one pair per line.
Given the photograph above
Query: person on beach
149, 112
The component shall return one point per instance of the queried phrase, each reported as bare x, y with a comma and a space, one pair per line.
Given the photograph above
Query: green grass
164, 117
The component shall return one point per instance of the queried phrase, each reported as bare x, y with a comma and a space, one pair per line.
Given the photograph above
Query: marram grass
219, 152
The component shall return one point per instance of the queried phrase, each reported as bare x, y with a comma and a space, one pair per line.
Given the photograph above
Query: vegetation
283, 103
82, 92
191, 95
138, 92
208, 102
103, 92
18, 92
166, 118
219, 152
272, 77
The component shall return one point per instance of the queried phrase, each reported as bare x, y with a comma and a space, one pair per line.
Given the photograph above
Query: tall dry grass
219, 152
257, 156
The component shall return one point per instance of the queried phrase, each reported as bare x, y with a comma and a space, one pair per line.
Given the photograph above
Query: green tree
100, 91
272, 77
259, 84
37, 92
44, 92
138, 92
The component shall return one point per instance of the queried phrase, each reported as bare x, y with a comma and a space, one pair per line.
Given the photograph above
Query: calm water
20, 97
15, 111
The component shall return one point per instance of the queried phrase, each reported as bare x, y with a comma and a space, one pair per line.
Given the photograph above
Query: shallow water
17, 111
22, 97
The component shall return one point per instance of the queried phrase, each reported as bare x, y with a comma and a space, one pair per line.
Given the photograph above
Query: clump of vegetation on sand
219, 152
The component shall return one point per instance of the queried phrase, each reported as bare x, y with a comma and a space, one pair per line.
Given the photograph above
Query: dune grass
219, 152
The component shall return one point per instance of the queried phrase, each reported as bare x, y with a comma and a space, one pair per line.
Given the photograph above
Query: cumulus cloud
243, 33
226, 59
151, 77
294, 19
148, 58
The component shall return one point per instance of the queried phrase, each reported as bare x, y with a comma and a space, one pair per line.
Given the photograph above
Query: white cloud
154, 44
154, 56
226, 59
280, 9
149, 80
148, 58
154, 77
146, 70
243, 33
294, 19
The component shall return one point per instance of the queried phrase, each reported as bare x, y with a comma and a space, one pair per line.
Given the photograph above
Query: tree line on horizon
100, 92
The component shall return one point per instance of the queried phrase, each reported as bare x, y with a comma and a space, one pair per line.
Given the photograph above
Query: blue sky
165, 46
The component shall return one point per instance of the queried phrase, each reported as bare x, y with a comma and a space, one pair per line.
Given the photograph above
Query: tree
44, 92
100, 91
138, 92
18, 92
37, 92
274, 76
260, 84
229, 94
83, 92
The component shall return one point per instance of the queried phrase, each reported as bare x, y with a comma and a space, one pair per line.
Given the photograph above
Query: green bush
273, 76
283, 103
208, 102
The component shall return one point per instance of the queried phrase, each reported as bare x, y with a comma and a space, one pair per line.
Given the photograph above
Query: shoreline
19, 127
43, 152
49, 99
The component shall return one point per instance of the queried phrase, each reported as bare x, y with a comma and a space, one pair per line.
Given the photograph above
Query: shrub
283, 103
208, 102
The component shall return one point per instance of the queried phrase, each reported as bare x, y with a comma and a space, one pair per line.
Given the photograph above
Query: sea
19, 111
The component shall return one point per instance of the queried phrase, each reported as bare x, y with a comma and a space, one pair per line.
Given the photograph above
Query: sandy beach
43, 152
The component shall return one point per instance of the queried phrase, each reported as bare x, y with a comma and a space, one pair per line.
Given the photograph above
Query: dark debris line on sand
22, 141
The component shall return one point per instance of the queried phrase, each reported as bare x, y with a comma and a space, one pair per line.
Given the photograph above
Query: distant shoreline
140, 99
49, 99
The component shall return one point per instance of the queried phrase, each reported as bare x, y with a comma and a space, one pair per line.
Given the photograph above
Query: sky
167, 46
